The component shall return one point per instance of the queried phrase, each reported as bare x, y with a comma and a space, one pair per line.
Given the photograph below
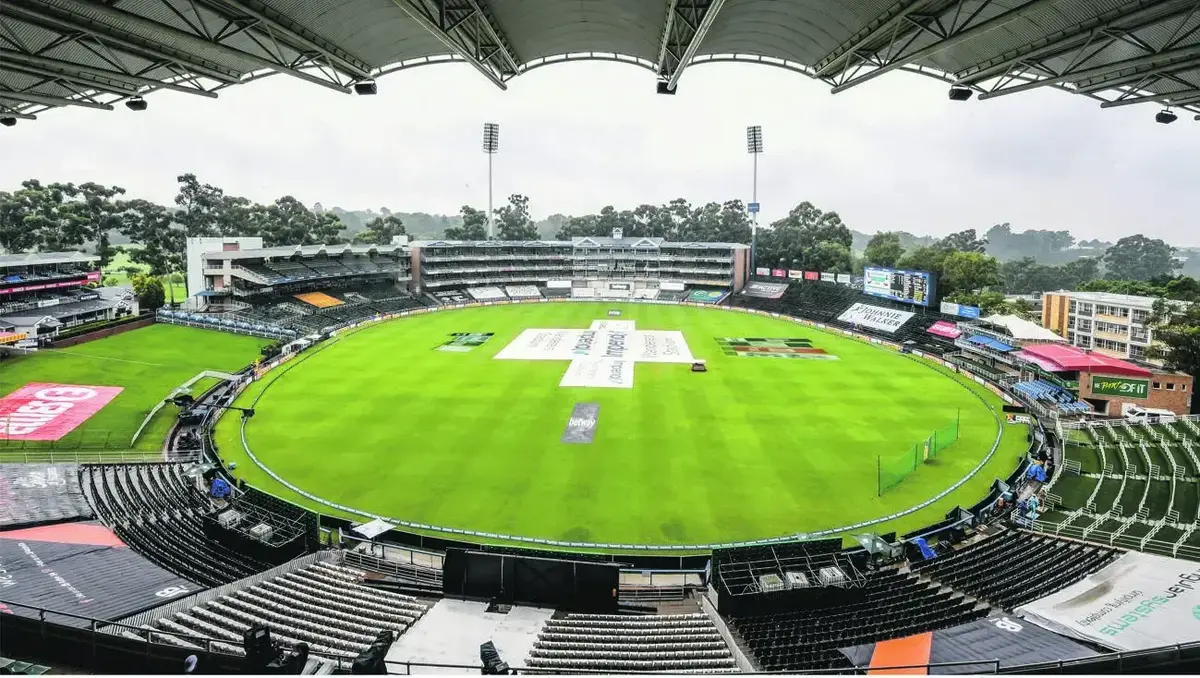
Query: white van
1146, 415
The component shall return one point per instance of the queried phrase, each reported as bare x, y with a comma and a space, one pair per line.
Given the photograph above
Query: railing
1174, 549
35, 455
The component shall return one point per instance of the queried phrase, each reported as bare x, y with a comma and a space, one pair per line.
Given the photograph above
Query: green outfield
148, 363
382, 421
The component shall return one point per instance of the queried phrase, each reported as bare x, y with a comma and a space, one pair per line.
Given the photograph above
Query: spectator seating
447, 297
646, 293
675, 643
292, 270
1046, 392
556, 292
324, 605
1015, 568
486, 293
522, 291
895, 604
157, 511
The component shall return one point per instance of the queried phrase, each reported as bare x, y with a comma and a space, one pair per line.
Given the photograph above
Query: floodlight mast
491, 146
754, 146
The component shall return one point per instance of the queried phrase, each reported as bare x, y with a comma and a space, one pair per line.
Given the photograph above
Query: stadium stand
324, 604
997, 569
486, 293
522, 291
678, 643
157, 511
1061, 399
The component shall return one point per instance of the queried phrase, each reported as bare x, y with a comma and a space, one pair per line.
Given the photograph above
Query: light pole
754, 146
491, 146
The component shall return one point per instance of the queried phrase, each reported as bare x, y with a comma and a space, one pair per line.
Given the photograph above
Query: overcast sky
891, 154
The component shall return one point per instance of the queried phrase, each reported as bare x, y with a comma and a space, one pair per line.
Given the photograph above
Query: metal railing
34, 455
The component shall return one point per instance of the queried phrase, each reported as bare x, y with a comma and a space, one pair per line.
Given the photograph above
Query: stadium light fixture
960, 93
365, 88
1165, 117
491, 146
8, 122
754, 146
135, 104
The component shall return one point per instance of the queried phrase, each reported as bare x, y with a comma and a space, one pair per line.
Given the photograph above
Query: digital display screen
913, 287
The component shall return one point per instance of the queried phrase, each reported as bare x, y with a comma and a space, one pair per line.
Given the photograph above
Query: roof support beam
107, 36
438, 24
495, 35
78, 11
6, 112
1130, 17
969, 32
1180, 98
117, 88
30, 98
889, 25
98, 78
1143, 65
297, 37
693, 45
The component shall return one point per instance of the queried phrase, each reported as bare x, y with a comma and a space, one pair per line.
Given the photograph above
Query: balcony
1111, 336
1114, 319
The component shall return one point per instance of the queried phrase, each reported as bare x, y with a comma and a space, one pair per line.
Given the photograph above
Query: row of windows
1109, 345
1170, 386
1112, 329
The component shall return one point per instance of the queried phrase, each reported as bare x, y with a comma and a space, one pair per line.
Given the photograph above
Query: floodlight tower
491, 146
754, 146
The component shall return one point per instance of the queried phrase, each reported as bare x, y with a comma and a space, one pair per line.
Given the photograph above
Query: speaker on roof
960, 93
365, 88
663, 89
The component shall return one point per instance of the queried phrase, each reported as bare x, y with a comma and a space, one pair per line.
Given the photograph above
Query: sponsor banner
882, 319
961, 310
762, 270
829, 277
843, 278
796, 275
812, 275
47, 303
779, 273
558, 284
763, 290
50, 411
705, 296
43, 286
599, 373
93, 276
644, 346
945, 329
614, 325
671, 286
581, 427
764, 347
40, 493
462, 342
1120, 387
1140, 601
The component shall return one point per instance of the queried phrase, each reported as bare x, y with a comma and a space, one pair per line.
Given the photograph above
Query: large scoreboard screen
913, 287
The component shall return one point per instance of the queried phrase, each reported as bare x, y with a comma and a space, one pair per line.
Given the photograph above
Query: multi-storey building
630, 264
1112, 324
44, 293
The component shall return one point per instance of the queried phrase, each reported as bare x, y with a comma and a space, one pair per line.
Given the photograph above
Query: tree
199, 206
149, 291
1080, 271
969, 271
963, 241
474, 226
163, 245
795, 239
381, 230
326, 230
512, 220
883, 250
287, 222
16, 233
1137, 257
1177, 336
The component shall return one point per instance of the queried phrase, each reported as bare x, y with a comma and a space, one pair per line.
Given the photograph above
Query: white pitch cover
641, 346
1140, 601
614, 325
883, 319
599, 373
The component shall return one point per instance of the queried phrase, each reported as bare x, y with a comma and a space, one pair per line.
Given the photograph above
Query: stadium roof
39, 258
1022, 329
1075, 359
301, 250
94, 54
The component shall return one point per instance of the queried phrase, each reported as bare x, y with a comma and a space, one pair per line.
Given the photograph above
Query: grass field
753, 448
147, 362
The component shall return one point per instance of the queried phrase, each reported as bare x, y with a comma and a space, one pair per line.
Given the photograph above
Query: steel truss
244, 32
1077, 51
686, 24
468, 30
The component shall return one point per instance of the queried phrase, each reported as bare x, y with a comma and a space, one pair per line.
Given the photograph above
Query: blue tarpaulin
991, 343
1036, 472
925, 549
220, 488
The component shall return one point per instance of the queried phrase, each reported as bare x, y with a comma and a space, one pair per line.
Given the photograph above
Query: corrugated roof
1075, 359
1119, 51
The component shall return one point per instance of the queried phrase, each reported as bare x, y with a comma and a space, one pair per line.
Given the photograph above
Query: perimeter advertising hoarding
812, 275
829, 277
1138, 602
912, 287
960, 310
795, 275
779, 273
762, 270
1120, 387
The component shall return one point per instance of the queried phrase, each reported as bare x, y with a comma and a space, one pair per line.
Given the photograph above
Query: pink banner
50, 411
93, 276
44, 286
946, 329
